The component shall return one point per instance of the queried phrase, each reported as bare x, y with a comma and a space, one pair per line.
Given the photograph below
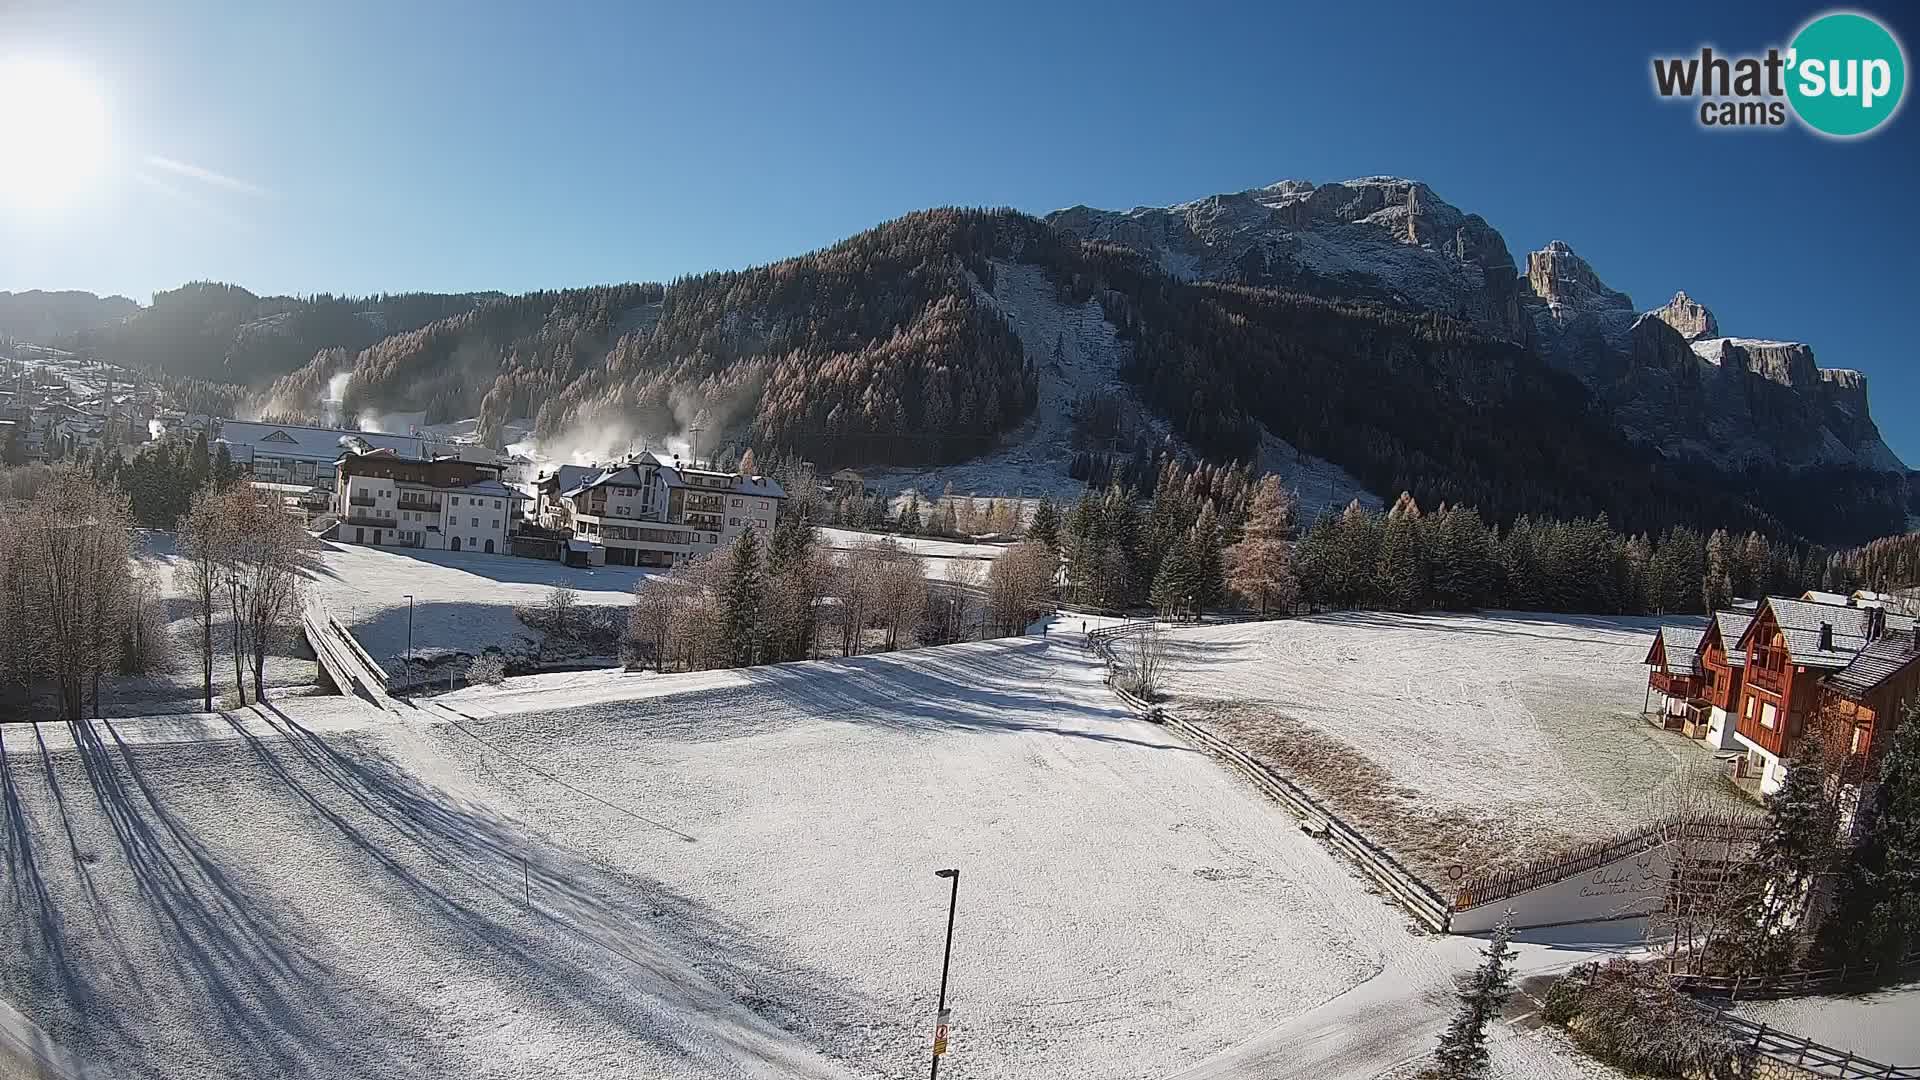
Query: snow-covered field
736, 881
1878, 1026
461, 601
725, 874
940, 557
1468, 740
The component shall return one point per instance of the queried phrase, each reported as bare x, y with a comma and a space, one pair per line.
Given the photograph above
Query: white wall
1630, 886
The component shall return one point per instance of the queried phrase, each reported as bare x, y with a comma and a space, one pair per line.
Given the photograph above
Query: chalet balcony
369, 520
1774, 679
360, 500
1686, 687
428, 505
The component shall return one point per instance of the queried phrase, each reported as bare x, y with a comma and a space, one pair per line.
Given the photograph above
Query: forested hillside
209, 330
876, 349
890, 349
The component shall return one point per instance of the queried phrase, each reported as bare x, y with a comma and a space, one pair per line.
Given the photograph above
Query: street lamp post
409, 640
940, 1017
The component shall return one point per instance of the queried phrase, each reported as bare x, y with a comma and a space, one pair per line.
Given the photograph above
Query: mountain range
1364, 328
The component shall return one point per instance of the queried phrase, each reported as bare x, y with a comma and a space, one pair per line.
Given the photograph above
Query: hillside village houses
645, 512
1756, 682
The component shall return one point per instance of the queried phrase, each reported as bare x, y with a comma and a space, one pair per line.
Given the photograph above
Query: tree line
788, 597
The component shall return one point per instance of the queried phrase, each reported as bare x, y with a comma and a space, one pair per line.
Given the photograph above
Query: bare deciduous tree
72, 547
267, 560
201, 571
1019, 584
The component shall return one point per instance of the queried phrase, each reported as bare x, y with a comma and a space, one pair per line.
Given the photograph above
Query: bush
1629, 1015
487, 668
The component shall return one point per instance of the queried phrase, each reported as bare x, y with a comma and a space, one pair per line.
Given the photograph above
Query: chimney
1826, 637
1876, 623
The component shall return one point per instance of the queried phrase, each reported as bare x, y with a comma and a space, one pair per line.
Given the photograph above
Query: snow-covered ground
940, 557
461, 600
734, 879
732, 882
1458, 740
1878, 1026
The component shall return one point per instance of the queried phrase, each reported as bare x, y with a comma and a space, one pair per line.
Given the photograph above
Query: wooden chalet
1804, 658
1676, 675
1723, 669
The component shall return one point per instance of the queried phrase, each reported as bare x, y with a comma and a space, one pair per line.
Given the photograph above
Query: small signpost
940, 1033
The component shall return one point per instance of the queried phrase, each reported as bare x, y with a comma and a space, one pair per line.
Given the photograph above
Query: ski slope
733, 880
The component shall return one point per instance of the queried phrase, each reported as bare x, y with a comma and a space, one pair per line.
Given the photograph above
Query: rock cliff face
1668, 375
1688, 316
1380, 238
1735, 403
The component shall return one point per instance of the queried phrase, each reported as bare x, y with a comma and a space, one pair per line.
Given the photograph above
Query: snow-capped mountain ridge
1670, 375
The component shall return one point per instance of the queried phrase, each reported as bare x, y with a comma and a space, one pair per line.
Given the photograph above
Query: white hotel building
644, 512
444, 504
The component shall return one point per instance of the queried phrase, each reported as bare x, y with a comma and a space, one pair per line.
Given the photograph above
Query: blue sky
384, 146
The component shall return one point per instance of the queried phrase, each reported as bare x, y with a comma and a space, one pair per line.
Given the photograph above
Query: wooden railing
1492, 888
1410, 892
1808, 1057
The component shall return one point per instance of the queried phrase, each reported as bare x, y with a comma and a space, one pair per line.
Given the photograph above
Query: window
476, 523
453, 500
495, 523
496, 504
1768, 715
736, 502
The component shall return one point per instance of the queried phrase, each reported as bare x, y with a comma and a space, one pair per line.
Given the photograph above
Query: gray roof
629, 476
1875, 664
1683, 648
1733, 625
310, 443
1800, 623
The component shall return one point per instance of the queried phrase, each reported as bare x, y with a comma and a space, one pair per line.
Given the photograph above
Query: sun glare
53, 133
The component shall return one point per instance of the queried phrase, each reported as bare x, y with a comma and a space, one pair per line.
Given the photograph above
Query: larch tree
1259, 567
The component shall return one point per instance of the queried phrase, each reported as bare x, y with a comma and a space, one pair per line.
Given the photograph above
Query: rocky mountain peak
1564, 280
1383, 238
1689, 316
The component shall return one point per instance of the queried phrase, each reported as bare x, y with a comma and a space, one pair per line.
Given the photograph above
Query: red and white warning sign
940, 1033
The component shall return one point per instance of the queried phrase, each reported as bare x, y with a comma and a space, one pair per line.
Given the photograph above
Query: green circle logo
1846, 74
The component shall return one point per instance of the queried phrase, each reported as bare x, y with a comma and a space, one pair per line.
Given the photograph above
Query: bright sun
53, 133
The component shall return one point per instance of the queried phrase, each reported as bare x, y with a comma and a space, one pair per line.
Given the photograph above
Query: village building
1755, 683
304, 455
645, 512
1834, 661
444, 504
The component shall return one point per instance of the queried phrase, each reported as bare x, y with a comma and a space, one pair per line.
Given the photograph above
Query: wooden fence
1410, 892
1491, 888
1795, 1057
1810, 981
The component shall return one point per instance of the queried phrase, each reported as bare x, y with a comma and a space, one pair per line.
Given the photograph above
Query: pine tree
1462, 1054
1796, 851
1877, 918
1400, 573
1208, 561
1717, 591
1174, 585
1045, 526
910, 517
740, 611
